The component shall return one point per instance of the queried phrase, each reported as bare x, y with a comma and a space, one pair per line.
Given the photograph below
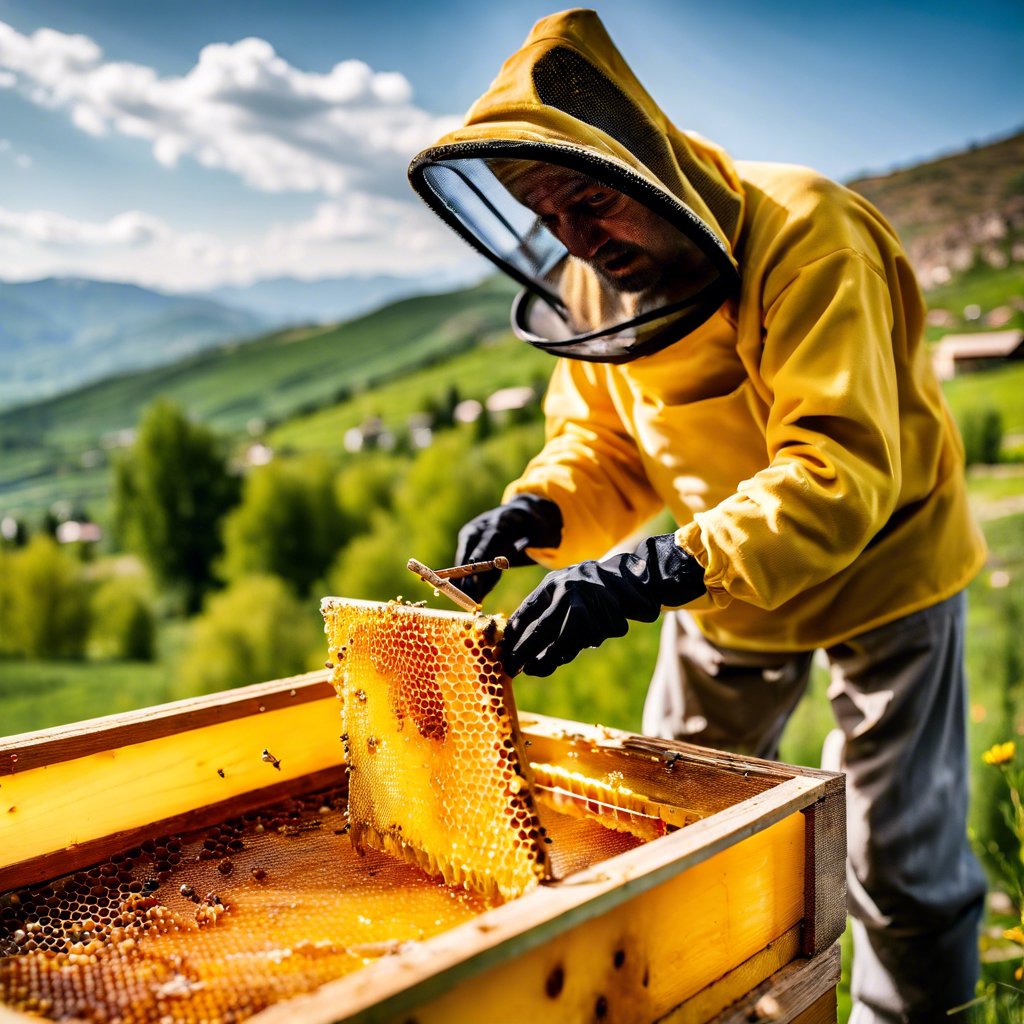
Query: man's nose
582, 236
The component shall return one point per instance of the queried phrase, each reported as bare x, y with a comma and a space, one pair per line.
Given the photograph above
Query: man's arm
833, 441
589, 467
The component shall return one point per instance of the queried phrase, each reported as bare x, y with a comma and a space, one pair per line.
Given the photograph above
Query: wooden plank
73, 802
731, 986
824, 1010
790, 993
825, 916
678, 937
29, 750
395, 984
663, 770
73, 858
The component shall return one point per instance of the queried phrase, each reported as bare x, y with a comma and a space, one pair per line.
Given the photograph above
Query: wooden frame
648, 929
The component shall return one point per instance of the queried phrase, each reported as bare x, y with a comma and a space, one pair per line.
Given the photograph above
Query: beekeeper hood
569, 177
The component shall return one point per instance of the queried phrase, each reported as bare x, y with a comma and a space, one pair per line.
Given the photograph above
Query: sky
192, 144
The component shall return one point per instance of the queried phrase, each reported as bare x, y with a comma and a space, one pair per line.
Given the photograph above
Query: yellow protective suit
798, 436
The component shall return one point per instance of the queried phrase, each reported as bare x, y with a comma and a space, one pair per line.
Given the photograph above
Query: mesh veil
584, 296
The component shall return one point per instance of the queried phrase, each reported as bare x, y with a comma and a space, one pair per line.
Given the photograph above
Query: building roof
956, 349
982, 345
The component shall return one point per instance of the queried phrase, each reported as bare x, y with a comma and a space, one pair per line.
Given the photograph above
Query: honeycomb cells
163, 933
437, 773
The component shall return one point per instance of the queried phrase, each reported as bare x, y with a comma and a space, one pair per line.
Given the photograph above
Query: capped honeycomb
216, 925
437, 771
606, 801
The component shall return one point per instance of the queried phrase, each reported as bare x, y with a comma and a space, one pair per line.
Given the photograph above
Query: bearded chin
643, 279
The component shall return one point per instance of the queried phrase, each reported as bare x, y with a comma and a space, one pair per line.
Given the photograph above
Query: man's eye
600, 200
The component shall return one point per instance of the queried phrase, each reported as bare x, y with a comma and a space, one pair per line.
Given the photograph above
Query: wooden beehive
735, 917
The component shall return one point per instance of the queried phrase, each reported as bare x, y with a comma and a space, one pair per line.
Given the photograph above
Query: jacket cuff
691, 539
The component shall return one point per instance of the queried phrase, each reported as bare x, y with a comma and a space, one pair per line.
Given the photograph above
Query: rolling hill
957, 215
60, 447
59, 333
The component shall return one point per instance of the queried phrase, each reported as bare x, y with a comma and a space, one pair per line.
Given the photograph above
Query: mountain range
290, 300
58, 334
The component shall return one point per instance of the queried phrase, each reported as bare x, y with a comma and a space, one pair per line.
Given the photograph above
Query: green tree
123, 623
170, 494
982, 432
288, 524
373, 565
253, 631
47, 602
445, 485
367, 486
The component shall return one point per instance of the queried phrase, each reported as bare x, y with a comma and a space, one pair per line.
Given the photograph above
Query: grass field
1001, 389
502, 361
985, 287
267, 380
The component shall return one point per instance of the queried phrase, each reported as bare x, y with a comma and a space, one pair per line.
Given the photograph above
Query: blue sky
125, 155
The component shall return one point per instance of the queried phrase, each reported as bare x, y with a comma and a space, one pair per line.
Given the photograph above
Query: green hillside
51, 449
502, 361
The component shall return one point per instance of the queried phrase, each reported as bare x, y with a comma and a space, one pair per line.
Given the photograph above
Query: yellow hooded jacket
798, 436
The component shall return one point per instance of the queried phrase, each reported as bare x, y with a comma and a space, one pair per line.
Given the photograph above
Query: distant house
962, 353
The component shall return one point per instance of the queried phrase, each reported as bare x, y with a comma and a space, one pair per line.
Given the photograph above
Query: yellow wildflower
1015, 934
1000, 753
1019, 974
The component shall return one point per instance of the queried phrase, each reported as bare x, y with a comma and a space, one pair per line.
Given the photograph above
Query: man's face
629, 246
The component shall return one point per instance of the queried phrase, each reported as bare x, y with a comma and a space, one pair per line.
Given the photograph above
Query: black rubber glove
526, 521
584, 605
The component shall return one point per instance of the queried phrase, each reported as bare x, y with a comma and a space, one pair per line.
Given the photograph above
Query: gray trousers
916, 891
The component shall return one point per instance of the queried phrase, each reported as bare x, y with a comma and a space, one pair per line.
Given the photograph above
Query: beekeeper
741, 343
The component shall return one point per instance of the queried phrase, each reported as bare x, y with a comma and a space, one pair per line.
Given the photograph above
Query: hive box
735, 917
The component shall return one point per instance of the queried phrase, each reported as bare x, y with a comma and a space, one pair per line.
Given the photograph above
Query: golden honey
437, 771
218, 924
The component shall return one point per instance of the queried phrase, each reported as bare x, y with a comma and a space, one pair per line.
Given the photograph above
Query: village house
963, 353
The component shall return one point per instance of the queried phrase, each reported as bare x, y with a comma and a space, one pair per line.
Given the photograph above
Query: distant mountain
272, 377
60, 333
290, 300
957, 212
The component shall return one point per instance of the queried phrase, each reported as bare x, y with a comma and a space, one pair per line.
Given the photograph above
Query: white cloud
21, 160
344, 137
242, 108
133, 228
355, 235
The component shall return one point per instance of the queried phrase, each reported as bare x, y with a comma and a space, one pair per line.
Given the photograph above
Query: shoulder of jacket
792, 191
796, 217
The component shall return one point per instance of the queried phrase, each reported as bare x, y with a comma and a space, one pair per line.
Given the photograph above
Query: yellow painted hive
194, 862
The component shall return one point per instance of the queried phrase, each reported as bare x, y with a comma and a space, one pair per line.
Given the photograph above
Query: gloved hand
584, 605
531, 521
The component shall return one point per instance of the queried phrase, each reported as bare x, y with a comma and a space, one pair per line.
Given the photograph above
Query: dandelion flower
1015, 934
1000, 753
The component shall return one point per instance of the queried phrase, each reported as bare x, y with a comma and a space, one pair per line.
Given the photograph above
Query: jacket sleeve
589, 466
832, 436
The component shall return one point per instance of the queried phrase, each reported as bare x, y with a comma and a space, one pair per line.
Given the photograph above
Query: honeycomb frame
438, 773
